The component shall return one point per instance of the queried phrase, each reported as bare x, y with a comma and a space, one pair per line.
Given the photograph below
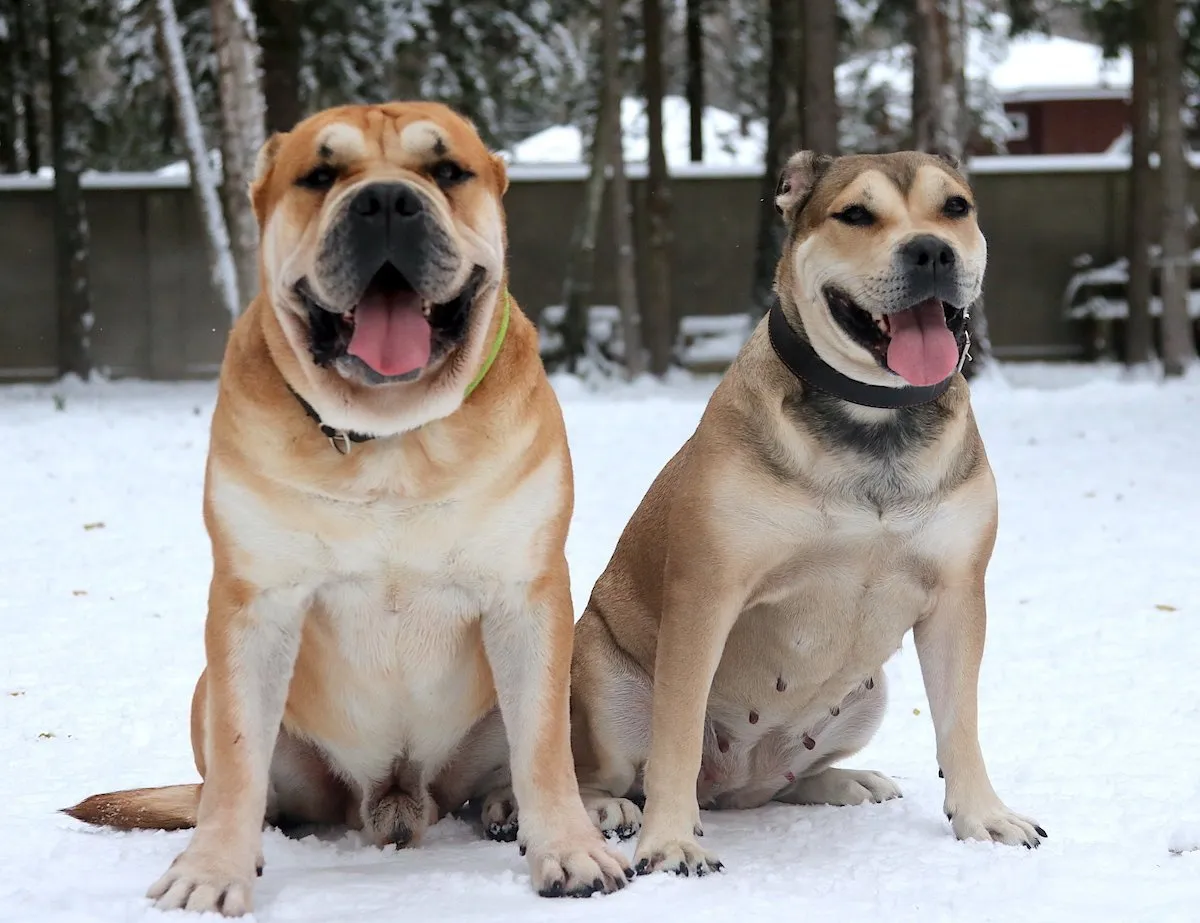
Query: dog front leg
529, 650
699, 611
949, 644
251, 639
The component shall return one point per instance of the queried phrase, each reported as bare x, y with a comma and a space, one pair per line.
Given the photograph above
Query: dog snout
928, 256
383, 203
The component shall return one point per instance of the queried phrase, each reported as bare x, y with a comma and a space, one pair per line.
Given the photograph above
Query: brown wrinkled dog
835, 495
375, 592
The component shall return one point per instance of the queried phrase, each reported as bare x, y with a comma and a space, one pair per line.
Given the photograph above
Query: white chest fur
393, 592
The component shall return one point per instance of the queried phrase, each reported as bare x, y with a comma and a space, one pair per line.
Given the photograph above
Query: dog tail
171, 807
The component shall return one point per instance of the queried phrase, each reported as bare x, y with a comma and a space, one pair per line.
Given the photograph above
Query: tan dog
375, 591
835, 495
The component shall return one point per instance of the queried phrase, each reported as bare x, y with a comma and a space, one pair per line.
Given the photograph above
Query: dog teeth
426, 308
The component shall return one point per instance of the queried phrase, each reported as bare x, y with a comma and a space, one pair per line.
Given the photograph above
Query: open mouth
392, 330
921, 343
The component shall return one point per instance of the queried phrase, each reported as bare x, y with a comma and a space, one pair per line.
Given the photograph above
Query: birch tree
220, 257
242, 123
1179, 343
67, 131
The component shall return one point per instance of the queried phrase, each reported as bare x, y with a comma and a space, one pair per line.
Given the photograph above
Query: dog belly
800, 679
381, 678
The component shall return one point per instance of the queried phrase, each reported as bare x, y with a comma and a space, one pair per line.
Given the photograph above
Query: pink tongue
922, 349
391, 335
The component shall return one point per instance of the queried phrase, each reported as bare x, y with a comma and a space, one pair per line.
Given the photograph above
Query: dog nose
927, 255
382, 201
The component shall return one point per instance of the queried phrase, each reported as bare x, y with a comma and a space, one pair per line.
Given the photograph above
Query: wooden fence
155, 315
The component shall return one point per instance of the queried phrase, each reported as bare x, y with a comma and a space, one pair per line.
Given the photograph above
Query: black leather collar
339, 439
802, 360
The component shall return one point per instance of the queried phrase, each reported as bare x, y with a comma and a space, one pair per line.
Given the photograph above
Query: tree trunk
1139, 332
27, 57
695, 79
577, 286
242, 118
622, 210
1179, 343
279, 36
940, 118
820, 90
660, 333
784, 138
68, 120
938, 110
220, 258
8, 94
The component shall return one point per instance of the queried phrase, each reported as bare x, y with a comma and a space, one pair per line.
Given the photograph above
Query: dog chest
395, 549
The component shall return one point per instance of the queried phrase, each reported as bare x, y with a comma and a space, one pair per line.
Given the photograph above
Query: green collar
496, 344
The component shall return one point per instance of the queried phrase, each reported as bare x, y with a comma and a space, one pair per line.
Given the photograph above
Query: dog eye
318, 178
856, 216
448, 173
956, 207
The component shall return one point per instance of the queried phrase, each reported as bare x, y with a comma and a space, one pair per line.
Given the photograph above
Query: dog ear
501, 172
796, 181
947, 158
263, 164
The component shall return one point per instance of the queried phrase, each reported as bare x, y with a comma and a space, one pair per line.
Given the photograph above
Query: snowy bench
703, 343
1096, 298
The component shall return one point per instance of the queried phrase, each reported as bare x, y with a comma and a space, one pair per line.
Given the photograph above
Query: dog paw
993, 821
681, 855
206, 881
577, 866
617, 817
500, 816
843, 787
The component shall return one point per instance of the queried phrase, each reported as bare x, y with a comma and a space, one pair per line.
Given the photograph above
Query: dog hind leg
846, 732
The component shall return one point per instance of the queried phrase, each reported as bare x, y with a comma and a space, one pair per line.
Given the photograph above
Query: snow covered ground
1090, 707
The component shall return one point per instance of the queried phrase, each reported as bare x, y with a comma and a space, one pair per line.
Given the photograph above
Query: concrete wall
156, 317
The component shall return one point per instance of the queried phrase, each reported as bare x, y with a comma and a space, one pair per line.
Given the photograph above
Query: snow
1186, 837
1027, 67
1055, 66
725, 143
1088, 714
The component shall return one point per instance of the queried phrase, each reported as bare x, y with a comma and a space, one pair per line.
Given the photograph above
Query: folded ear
501, 172
949, 159
796, 181
263, 165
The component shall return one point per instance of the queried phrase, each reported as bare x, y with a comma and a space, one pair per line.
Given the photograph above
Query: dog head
382, 252
883, 259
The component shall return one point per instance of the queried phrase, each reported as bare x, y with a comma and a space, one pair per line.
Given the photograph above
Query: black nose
927, 256
381, 202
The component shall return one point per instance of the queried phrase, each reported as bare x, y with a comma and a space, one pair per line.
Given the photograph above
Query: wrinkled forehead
407, 137
885, 186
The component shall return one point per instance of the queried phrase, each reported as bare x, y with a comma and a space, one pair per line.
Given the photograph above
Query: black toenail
1041, 832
